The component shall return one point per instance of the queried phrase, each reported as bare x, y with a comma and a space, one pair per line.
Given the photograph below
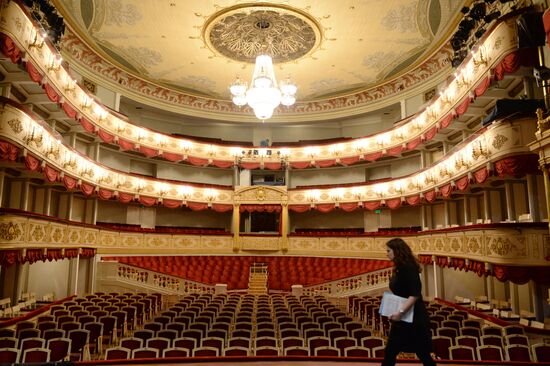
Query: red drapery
51, 174
396, 150
250, 165
223, 163
300, 164
69, 110
348, 206
147, 151
413, 200
522, 275
106, 136
33, 255
446, 121
446, 190
87, 125
425, 259
69, 182
430, 133
325, 207
51, 93
462, 107
171, 203
411, 145
197, 206
373, 156
482, 87
147, 201
33, 72
517, 166
260, 208
10, 49
125, 145
481, 175
8, 151
105, 194
462, 183
349, 160
372, 205
125, 197
325, 163
221, 207
299, 208
430, 196
32, 163
172, 156
273, 165
393, 203
87, 188
197, 161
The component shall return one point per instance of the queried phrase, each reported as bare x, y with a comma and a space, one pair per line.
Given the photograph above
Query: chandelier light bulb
263, 95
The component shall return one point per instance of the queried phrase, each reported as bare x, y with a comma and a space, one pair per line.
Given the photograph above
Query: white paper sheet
391, 304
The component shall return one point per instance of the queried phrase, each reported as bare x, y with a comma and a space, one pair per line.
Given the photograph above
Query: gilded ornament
260, 194
15, 125
499, 141
10, 231
501, 246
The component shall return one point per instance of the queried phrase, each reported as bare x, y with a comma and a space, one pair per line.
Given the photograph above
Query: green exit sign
377, 211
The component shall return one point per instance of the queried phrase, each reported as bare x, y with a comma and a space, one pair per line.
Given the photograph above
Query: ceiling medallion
243, 32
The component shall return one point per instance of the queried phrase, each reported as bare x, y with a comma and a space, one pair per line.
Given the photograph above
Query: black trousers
403, 337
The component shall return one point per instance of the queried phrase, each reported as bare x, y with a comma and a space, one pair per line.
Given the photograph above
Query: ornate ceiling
344, 55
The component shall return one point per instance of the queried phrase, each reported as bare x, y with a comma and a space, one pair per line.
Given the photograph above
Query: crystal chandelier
263, 95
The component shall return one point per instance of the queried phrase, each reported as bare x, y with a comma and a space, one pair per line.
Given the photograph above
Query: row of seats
234, 270
76, 328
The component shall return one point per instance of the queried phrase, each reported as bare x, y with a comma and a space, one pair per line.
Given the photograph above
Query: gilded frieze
38, 232
364, 245
260, 194
333, 244
184, 241
216, 242
506, 246
300, 243
10, 231
259, 243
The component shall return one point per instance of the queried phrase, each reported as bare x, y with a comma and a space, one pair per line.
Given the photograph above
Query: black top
405, 282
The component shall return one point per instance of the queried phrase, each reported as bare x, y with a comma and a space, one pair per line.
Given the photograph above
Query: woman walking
405, 282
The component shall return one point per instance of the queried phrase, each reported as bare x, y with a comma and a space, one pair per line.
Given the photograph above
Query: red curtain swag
260, 208
8, 151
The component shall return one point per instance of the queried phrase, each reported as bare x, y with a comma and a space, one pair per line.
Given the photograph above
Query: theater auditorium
215, 182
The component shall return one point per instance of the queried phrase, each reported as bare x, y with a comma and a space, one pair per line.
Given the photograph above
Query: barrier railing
113, 273
364, 283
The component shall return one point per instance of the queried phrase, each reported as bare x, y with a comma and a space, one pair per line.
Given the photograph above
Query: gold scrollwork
16, 125
9, 231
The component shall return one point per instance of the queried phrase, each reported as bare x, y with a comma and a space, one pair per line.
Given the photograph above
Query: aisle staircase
257, 281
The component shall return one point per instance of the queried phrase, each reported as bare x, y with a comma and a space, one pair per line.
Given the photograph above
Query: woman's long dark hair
402, 253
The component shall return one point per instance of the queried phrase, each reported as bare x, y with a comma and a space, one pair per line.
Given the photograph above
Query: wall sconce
336, 150
210, 194
212, 150
361, 145
445, 98
380, 189
337, 194
480, 58
311, 151
161, 188
479, 149
86, 102
313, 195
55, 63
100, 112
185, 191
69, 161
34, 136
398, 187
284, 153
142, 134
357, 193
120, 126
120, 181
103, 177
70, 85
37, 39
140, 185
186, 145
86, 170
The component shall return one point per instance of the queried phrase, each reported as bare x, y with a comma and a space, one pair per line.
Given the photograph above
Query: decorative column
436, 287
423, 158
490, 283
538, 300
487, 206
546, 190
2, 179
514, 294
235, 226
287, 175
72, 140
510, 206
424, 219
284, 227
467, 213
236, 177
446, 208
70, 205
532, 196
25, 191
47, 201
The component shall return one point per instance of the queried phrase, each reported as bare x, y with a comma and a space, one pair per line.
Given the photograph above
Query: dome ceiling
330, 49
